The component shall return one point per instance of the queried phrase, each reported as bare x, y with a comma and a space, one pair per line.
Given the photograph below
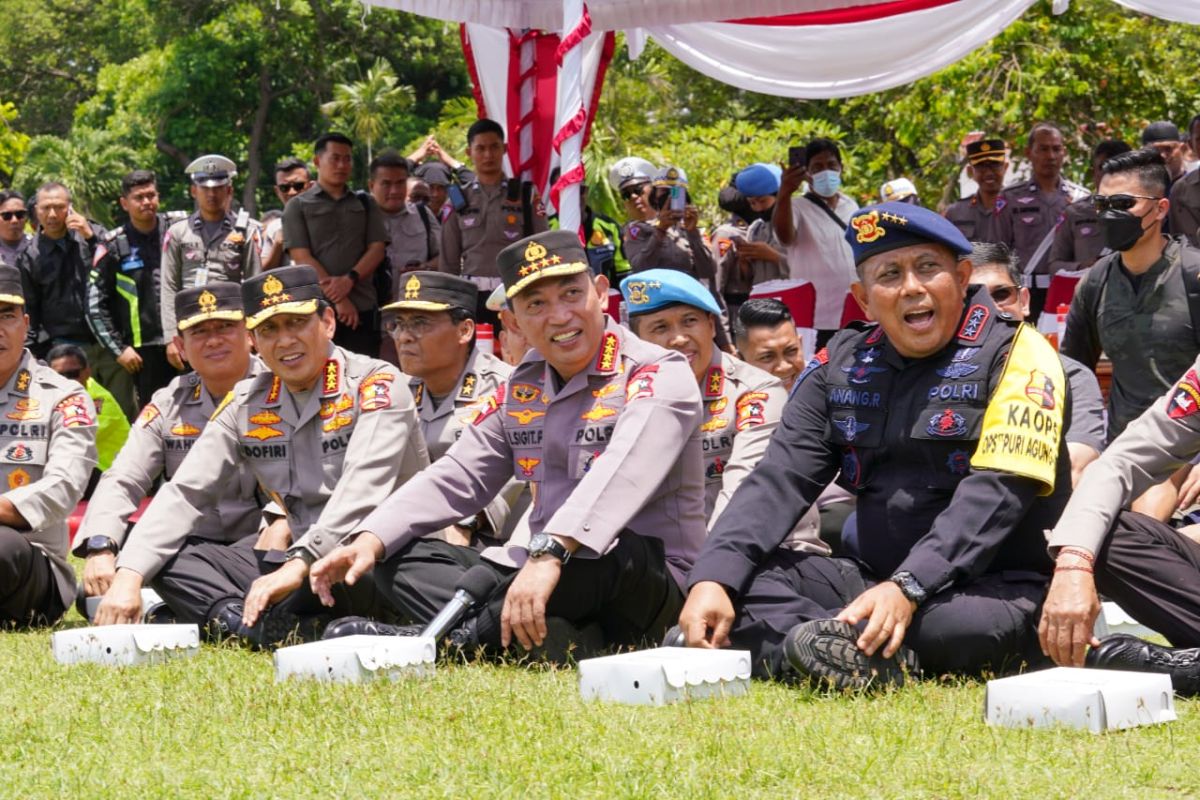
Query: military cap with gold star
987, 150
287, 290
425, 290
551, 254
216, 300
11, 289
890, 226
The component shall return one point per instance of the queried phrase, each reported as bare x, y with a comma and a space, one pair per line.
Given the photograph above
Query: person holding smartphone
672, 239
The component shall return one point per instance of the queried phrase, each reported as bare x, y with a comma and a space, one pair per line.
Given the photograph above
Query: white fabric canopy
1174, 10
822, 61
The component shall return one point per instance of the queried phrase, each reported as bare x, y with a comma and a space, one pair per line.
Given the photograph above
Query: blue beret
890, 226
654, 288
758, 180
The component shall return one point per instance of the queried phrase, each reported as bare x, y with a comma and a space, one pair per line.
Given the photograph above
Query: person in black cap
47, 452
1164, 137
946, 419
213, 339
327, 433
975, 216
606, 426
1185, 194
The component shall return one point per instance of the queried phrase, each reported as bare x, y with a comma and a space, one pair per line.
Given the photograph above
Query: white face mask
826, 182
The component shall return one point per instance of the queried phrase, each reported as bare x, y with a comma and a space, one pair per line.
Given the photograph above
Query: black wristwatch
541, 544
910, 587
472, 524
101, 544
353, 276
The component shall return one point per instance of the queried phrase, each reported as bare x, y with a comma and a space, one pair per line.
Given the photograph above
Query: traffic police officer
975, 216
946, 420
327, 433
606, 426
211, 244
631, 177
672, 239
47, 452
213, 336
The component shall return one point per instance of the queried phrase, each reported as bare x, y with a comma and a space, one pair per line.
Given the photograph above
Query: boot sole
825, 650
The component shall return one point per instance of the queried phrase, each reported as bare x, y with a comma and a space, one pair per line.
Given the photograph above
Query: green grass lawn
218, 725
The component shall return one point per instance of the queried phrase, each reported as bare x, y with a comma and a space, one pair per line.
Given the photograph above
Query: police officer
1078, 241
211, 244
631, 178
751, 254
975, 216
124, 286
607, 427
212, 336
47, 451
327, 433
741, 404
489, 214
946, 421
672, 239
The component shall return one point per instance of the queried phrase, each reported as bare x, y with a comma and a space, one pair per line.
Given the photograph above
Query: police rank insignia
467, 390
1185, 399
948, 422
75, 411
18, 478
714, 384
24, 409
972, 326
606, 361
23, 379
207, 302
183, 429
860, 371
331, 381
960, 366
751, 409
850, 427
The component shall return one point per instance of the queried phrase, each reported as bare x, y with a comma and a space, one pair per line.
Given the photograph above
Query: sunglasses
71, 374
291, 188
1004, 294
630, 192
1118, 202
9, 216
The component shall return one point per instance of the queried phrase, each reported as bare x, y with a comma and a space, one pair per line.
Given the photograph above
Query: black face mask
1122, 229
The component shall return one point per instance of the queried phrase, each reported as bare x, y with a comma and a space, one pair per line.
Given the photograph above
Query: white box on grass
1114, 619
150, 599
356, 659
1090, 699
125, 645
665, 675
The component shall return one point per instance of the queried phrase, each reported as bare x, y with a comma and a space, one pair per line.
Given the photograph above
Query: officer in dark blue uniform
946, 419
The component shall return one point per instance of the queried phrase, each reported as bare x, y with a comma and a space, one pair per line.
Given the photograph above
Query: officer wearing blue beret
946, 419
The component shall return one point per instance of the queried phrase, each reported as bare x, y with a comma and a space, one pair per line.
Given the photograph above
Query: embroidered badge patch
960, 366
1185, 399
947, 423
751, 409
850, 427
75, 411
972, 325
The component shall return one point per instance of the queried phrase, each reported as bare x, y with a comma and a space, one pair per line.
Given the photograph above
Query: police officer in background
124, 287
212, 244
328, 434
213, 339
606, 426
632, 178
946, 420
489, 214
975, 216
47, 451
672, 239
1078, 242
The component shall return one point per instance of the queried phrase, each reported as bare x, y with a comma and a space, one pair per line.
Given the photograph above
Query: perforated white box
357, 659
1090, 699
665, 675
125, 645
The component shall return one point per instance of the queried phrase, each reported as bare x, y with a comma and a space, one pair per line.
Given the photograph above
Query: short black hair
996, 255
484, 125
289, 164
1192, 124
50, 186
67, 351
11, 194
389, 159
822, 145
1147, 164
325, 138
1109, 148
760, 312
139, 177
1038, 127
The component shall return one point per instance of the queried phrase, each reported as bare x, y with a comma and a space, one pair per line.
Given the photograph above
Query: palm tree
364, 106
88, 161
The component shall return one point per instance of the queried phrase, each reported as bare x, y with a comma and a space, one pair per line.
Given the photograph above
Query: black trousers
29, 595
205, 575
1153, 573
156, 372
364, 339
628, 591
990, 623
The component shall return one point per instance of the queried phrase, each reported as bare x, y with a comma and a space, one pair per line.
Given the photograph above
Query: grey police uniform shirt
1184, 216
442, 425
488, 222
411, 246
616, 448
975, 219
730, 279
1146, 332
1025, 216
1078, 241
189, 259
328, 456
649, 247
159, 441
47, 452
1165, 437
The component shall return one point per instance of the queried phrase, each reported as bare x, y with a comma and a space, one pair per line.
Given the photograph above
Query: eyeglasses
630, 192
295, 187
1118, 202
9, 216
71, 374
418, 326
1004, 294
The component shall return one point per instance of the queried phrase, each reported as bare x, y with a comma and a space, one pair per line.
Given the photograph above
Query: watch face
538, 543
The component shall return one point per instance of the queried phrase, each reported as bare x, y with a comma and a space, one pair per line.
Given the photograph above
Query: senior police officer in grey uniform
47, 452
212, 244
606, 425
328, 434
946, 420
212, 336
975, 216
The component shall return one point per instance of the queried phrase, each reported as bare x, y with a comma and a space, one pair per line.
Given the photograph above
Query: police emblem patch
527, 466
715, 470
1185, 399
265, 417
641, 383
19, 452
959, 366
751, 409
18, 478
850, 427
1040, 389
958, 462
524, 392
851, 467
860, 371
947, 422
25, 408
148, 415
75, 412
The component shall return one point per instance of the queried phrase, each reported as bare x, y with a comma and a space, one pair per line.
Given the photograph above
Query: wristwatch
910, 587
471, 524
353, 276
541, 544
101, 544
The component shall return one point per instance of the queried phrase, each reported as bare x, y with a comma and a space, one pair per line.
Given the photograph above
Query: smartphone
796, 157
678, 198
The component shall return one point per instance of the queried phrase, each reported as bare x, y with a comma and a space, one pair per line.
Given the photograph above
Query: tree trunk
160, 140
257, 131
